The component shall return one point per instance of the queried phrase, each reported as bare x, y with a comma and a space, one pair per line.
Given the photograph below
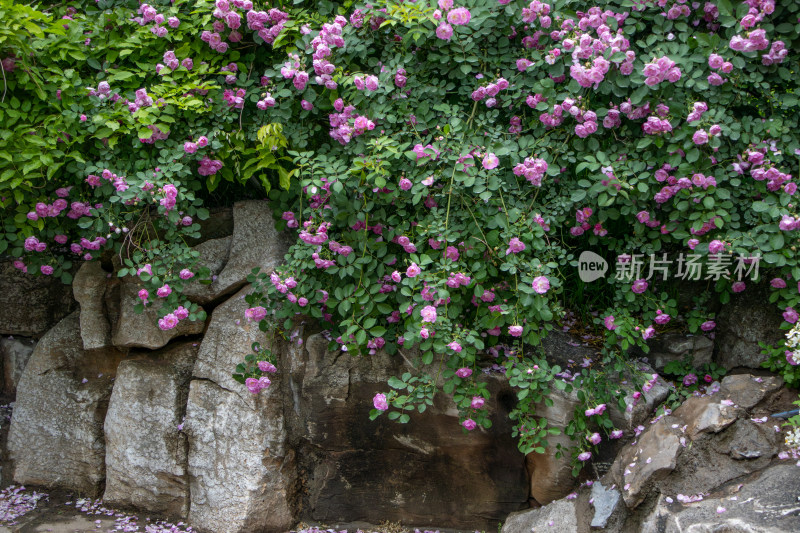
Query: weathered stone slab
256, 243
31, 304
241, 474
56, 435
134, 330
89, 289
14, 353
146, 452
558, 517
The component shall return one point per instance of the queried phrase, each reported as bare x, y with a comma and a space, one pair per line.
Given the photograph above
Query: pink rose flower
490, 161
541, 284
429, 314
464, 372
380, 403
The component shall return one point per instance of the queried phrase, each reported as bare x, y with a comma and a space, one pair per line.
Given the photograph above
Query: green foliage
443, 206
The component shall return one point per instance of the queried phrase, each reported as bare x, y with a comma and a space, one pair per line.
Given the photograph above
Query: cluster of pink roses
208, 166
191, 147
490, 91
659, 70
150, 14
459, 16
342, 130
172, 63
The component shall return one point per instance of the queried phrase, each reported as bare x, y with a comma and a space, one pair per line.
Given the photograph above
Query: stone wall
109, 405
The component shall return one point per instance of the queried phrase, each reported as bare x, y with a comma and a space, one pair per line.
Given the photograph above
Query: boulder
551, 476
214, 256
670, 347
748, 319
141, 330
227, 342
241, 474
605, 502
766, 502
747, 390
31, 304
748, 440
146, 451
636, 412
89, 289
558, 517
14, 354
703, 414
219, 224
564, 349
637, 468
256, 243
56, 434
381, 470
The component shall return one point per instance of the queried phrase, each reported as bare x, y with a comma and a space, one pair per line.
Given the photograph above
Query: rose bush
443, 164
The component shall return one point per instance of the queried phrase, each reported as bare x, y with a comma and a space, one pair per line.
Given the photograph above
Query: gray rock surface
764, 503
256, 243
748, 319
56, 434
637, 468
241, 474
146, 453
705, 414
557, 517
604, 501
89, 289
31, 304
744, 391
227, 342
551, 476
14, 354
676, 346
636, 412
134, 330
214, 256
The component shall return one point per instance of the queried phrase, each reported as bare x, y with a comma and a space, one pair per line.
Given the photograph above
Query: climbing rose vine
442, 164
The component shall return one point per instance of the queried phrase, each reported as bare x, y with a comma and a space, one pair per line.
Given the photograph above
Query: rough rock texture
637, 412
550, 476
727, 462
256, 243
745, 392
675, 346
89, 289
14, 354
705, 414
146, 453
134, 330
748, 319
241, 473
638, 467
56, 435
227, 342
764, 503
604, 501
214, 256
425, 472
557, 517
31, 304
561, 348
218, 225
